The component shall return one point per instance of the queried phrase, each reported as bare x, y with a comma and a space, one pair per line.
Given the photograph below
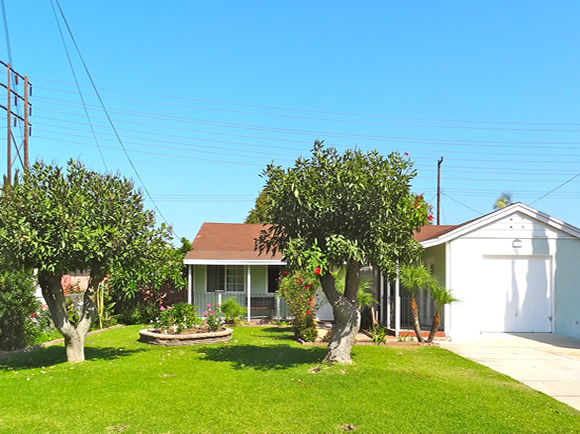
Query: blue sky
204, 94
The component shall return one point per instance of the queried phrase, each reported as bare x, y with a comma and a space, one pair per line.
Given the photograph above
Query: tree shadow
278, 333
263, 358
56, 354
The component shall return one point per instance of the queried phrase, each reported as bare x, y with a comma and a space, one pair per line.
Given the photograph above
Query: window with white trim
229, 278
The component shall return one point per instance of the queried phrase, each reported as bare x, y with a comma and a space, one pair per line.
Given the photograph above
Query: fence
426, 308
263, 306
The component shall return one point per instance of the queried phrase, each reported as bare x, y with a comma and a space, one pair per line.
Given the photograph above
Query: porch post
249, 287
189, 283
397, 304
382, 298
447, 307
277, 308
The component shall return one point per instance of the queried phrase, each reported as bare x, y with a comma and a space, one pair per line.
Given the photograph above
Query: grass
262, 381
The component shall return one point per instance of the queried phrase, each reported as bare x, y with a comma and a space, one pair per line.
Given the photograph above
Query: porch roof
229, 243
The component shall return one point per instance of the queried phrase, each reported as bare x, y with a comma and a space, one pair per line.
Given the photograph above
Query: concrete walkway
543, 361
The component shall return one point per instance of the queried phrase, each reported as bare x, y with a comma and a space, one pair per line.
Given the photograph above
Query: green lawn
262, 381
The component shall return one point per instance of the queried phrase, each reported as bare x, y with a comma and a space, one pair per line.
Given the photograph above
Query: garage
518, 296
515, 270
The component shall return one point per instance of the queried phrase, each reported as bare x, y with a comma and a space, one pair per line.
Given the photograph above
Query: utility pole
439, 187
10, 114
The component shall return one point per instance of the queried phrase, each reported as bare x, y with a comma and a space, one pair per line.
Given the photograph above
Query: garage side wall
567, 289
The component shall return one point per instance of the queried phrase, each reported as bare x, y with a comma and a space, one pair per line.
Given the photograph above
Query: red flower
430, 217
297, 281
406, 154
317, 270
285, 272
307, 312
307, 287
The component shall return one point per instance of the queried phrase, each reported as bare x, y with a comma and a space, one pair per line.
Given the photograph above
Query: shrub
18, 307
177, 318
232, 310
297, 289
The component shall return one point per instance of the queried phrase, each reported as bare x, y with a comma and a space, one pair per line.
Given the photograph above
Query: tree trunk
346, 325
75, 346
74, 338
346, 314
434, 326
415, 317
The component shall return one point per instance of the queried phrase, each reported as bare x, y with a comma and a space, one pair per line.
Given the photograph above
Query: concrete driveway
543, 361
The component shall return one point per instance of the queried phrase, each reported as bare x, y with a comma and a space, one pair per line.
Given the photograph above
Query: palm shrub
232, 310
416, 278
441, 296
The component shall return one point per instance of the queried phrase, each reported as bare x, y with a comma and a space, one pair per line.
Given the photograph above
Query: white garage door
517, 295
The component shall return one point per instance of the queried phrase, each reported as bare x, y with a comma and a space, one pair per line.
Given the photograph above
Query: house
514, 270
223, 264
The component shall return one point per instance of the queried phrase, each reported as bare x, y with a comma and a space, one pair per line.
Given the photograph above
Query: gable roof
229, 243
435, 235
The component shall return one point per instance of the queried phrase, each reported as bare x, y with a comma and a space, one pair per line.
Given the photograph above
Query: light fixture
517, 243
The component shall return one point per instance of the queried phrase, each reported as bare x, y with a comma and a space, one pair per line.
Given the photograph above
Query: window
229, 278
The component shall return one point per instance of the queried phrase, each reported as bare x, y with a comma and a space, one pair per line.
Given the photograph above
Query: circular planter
150, 337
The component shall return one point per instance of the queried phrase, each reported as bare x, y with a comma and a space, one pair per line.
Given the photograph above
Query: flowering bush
177, 318
213, 317
297, 290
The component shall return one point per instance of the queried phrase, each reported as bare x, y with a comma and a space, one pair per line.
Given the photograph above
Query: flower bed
196, 336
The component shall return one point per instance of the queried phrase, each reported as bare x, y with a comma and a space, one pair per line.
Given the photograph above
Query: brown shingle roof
228, 241
429, 232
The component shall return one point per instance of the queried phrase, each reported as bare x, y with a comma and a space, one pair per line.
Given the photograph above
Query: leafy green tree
259, 214
416, 278
442, 297
64, 220
504, 199
348, 209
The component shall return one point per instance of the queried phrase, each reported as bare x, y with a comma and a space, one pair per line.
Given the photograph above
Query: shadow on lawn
55, 354
263, 357
278, 333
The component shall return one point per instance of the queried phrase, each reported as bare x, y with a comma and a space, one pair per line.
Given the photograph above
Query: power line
7, 34
107, 114
77, 84
322, 111
553, 190
462, 204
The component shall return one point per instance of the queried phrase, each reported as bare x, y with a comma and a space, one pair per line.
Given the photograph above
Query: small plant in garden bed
214, 319
176, 319
232, 310
378, 334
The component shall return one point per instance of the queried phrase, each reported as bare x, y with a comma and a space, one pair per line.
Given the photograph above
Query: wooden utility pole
8, 126
12, 91
439, 188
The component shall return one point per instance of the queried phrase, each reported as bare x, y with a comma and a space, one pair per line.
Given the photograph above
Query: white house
514, 270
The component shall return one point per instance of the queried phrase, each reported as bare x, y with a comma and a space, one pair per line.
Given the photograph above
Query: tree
416, 279
504, 199
335, 210
259, 214
60, 221
441, 296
